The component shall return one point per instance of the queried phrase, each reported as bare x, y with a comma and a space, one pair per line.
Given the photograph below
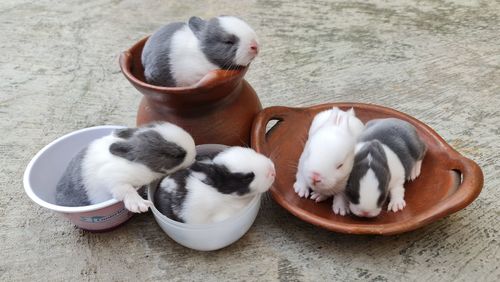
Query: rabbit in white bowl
115, 166
215, 187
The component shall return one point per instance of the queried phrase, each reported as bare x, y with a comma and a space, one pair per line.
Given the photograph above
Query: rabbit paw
318, 197
340, 205
301, 190
415, 172
135, 203
396, 204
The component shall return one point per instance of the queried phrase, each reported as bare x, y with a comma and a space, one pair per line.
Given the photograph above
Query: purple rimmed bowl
46, 168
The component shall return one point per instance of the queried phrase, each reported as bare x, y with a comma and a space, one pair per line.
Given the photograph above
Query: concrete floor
436, 60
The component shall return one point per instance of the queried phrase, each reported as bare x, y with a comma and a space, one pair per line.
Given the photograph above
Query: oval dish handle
471, 185
280, 113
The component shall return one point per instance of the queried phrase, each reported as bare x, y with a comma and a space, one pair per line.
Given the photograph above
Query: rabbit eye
340, 166
230, 40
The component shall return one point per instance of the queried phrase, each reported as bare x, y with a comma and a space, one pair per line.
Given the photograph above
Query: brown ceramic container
219, 109
448, 182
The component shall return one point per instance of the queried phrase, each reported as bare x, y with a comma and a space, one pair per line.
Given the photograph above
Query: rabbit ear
345, 121
196, 24
341, 119
334, 116
125, 133
338, 117
351, 112
122, 149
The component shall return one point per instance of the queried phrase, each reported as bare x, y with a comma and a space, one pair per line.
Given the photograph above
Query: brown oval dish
219, 109
448, 182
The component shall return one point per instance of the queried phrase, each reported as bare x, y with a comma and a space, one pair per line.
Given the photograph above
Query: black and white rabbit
389, 152
214, 190
115, 166
180, 54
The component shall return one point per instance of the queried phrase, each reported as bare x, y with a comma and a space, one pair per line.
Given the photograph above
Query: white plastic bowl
207, 237
48, 165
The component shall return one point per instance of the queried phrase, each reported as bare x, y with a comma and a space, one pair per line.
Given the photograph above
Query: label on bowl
97, 219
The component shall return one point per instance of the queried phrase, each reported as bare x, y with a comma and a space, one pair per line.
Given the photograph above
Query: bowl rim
255, 201
467, 191
27, 173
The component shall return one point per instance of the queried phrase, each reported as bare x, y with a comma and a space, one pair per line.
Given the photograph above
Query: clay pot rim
210, 80
468, 190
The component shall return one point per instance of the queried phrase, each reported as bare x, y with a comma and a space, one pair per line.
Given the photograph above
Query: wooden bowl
448, 182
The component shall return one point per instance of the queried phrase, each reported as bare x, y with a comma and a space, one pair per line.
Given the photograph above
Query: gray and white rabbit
115, 166
180, 54
389, 152
213, 190
328, 156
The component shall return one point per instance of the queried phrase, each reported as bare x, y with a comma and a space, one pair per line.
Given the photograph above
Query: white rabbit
328, 157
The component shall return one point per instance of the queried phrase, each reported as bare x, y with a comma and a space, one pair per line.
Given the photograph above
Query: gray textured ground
436, 60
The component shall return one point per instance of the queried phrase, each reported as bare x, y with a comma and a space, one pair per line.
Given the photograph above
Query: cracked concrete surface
436, 60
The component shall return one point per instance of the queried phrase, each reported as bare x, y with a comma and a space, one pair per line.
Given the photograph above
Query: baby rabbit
390, 152
180, 54
116, 165
328, 156
214, 190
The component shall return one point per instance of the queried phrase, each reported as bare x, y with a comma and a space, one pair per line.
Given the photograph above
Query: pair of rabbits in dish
360, 166
194, 189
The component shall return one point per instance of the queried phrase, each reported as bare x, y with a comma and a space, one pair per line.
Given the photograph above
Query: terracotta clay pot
448, 182
219, 109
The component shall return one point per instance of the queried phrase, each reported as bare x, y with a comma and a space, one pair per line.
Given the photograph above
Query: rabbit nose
254, 46
316, 178
367, 214
271, 173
